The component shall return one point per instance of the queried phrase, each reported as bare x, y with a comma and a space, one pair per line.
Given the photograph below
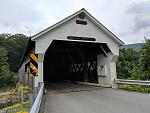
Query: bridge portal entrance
72, 60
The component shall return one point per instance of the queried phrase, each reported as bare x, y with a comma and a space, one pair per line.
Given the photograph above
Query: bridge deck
74, 98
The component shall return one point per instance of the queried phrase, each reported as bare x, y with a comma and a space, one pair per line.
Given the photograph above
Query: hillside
135, 47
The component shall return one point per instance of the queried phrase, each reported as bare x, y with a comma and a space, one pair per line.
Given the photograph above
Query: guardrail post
31, 100
115, 85
35, 92
36, 105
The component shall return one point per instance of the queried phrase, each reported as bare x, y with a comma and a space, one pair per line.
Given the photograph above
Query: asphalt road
74, 98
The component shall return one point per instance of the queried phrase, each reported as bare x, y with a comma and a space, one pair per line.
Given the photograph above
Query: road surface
74, 98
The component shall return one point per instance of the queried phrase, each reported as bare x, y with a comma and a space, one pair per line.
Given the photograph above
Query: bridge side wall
23, 72
106, 69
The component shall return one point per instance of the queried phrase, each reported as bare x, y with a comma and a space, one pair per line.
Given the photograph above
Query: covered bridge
78, 48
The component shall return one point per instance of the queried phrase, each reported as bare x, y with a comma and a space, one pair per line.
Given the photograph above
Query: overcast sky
128, 19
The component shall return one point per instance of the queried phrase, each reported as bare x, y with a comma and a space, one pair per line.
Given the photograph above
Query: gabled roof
90, 17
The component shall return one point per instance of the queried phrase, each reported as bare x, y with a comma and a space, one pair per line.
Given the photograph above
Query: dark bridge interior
71, 60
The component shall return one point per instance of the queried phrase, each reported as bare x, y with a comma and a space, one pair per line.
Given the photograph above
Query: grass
135, 88
16, 107
5, 88
10, 100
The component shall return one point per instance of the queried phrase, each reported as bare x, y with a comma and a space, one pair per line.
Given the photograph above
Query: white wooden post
39, 78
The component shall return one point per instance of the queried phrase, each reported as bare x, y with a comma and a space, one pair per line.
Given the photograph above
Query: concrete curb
93, 84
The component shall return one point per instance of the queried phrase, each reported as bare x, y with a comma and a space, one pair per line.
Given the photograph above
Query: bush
135, 88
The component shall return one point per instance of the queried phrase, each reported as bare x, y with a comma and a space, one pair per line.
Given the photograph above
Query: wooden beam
105, 53
81, 38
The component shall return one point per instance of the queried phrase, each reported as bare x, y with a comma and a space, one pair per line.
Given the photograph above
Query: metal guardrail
37, 102
136, 82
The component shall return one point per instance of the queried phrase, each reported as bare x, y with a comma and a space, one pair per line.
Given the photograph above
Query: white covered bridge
77, 49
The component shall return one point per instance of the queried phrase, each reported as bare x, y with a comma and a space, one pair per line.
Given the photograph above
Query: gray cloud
140, 14
17, 16
129, 20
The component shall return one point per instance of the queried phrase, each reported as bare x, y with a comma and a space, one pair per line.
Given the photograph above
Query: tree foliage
135, 65
142, 70
11, 50
126, 61
4, 66
145, 56
15, 44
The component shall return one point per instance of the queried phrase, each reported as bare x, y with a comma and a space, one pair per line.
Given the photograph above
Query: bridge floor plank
66, 87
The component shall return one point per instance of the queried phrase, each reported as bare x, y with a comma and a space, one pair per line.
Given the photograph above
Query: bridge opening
73, 61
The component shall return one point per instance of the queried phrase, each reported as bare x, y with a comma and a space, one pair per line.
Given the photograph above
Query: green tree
11, 50
142, 70
145, 56
4, 66
3, 56
126, 61
15, 44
